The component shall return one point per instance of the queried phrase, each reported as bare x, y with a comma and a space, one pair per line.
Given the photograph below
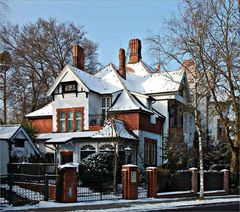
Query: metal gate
93, 189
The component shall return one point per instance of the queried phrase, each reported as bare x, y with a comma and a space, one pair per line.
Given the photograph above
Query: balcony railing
96, 120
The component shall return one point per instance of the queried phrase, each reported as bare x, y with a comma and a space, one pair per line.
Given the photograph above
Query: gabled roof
141, 81
47, 110
114, 128
92, 82
126, 102
8, 131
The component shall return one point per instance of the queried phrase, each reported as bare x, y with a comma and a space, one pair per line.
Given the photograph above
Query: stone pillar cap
129, 165
193, 169
224, 170
150, 168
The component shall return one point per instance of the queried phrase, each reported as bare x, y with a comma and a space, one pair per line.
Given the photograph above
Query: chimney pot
135, 51
78, 56
188, 63
122, 63
158, 67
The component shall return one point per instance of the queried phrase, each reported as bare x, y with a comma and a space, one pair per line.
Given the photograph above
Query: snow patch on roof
94, 83
114, 128
7, 131
64, 137
154, 82
47, 110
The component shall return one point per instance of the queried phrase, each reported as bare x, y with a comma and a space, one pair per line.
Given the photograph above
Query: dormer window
69, 87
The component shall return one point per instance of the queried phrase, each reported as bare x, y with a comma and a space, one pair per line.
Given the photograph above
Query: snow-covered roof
8, 131
126, 101
95, 83
114, 128
111, 128
64, 137
154, 82
142, 79
44, 111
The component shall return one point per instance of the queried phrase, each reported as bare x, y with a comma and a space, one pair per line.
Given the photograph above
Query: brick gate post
225, 180
193, 170
67, 184
130, 181
152, 182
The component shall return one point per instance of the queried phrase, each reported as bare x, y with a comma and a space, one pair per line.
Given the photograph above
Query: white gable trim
66, 69
20, 129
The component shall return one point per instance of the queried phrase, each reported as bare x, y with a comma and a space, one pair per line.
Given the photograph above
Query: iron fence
95, 189
22, 189
142, 184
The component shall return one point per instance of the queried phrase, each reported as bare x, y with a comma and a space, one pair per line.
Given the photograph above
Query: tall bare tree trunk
5, 97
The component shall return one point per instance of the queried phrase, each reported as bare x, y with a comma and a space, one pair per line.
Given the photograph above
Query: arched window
106, 148
87, 150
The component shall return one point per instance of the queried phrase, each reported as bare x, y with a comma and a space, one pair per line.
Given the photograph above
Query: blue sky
110, 23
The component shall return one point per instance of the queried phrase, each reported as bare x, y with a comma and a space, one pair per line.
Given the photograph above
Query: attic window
19, 142
69, 87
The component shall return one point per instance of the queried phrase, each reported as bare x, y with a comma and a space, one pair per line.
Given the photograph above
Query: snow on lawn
131, 205
29, 194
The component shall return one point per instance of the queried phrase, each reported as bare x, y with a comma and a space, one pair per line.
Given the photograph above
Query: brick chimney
122, 63
135, 51
158, 67
78, 56
188, 63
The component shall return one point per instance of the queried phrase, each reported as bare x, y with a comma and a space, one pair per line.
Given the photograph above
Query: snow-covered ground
25, 193
131, 205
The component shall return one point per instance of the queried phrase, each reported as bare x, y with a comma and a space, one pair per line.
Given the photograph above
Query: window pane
70, 125
78, 121
70, 121
78, 115
103, 102
62, 115
62, 126
108, 102
70, 115
19, 142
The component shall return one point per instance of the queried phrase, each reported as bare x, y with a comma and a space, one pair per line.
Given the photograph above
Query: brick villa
132, 105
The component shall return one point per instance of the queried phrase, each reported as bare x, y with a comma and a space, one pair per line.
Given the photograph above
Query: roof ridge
10, 125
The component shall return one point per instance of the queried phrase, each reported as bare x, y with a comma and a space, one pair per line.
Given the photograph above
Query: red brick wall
146, 125
139, 121
131, 119
39, 188
43, 125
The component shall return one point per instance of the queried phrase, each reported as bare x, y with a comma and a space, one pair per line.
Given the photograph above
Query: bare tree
207, 31
3, 9
4, 70
39, 52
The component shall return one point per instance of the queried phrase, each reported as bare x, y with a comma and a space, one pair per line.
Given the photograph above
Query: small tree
96, 170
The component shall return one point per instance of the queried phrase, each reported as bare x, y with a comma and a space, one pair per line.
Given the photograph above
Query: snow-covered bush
96, 170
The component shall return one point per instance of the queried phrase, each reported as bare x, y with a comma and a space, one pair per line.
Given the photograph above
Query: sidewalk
127, 205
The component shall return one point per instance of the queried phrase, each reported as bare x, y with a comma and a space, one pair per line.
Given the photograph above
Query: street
233, 206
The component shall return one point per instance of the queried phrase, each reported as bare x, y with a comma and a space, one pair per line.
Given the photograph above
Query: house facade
130, 106
15, 145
